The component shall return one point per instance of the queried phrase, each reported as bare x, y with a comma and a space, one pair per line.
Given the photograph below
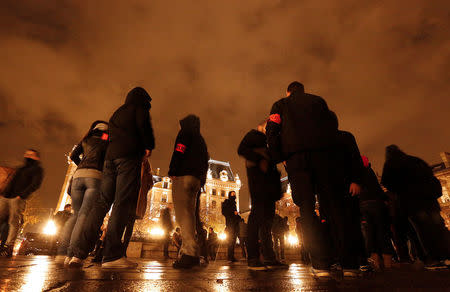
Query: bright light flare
222, 236
157, 232
292, 240
50, 228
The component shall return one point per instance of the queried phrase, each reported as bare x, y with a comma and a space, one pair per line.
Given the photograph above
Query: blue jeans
84, 192
120, 186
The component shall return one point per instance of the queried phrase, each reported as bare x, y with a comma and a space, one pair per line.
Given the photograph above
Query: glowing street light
156, 232
222, 236
292, 239
50, 228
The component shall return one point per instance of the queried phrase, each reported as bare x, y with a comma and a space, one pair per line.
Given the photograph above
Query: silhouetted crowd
348, 223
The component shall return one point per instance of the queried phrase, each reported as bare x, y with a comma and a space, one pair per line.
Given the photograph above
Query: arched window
213, 204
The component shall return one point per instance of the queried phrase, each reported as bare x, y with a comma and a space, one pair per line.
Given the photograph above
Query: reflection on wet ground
41, 273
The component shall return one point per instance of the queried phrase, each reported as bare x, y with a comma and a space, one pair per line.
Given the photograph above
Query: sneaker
67, 261
121, 263
75, 263
317, 273
351, 273
256, 265
336, 267
436, 266
6, 251
365, 268
276, 265
186, 262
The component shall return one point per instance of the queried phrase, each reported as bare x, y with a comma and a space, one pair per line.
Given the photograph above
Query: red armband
275, 118
105, 137
180, 148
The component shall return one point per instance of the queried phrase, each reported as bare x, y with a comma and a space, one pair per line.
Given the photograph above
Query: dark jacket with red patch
298, 123
92, 149
190, 155
130, 129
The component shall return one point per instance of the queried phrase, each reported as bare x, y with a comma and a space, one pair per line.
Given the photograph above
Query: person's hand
355, 189
264, 165
172, 177
148, 153
235, 212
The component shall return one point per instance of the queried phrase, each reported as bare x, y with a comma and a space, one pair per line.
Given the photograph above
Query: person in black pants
302, 132
232, 219
375, 214
130, 141
265, 189
167, 225
417, 191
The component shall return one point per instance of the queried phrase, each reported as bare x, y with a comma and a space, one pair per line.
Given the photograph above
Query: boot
374, 260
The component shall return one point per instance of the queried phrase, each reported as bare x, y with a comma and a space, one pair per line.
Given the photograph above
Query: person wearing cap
89, 156
131, 141
25, 181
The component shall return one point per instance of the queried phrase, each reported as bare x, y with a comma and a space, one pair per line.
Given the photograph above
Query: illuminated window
213, 204
214, 192
164, 198
222, 193
166, 185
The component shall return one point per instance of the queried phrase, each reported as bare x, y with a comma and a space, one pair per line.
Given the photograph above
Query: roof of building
216, 167
438, 167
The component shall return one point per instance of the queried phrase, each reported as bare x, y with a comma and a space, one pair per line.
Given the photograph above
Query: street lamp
50, 228
156, 232
292, 240
222, 236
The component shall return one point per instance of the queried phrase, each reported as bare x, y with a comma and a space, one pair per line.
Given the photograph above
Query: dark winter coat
166, 220
93, 149
263, 186
26, 180
300, 122
410, 178
190, 155
228, 209
130, 129
349, 159
371, 189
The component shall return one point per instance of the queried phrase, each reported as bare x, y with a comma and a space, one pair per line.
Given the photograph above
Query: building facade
220, 181
442, 172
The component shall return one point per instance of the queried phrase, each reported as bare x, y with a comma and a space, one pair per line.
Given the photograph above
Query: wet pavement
41, 273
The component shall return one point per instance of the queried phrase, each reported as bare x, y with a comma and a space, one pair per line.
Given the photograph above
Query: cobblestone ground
41, 273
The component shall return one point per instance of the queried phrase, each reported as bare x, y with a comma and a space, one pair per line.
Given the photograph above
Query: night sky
382, 66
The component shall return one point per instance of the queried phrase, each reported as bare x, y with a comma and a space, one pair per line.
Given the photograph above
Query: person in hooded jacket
130, 141
417, 191
232, 219
375, 214
302, 132
89, 156
265, 189
188, 168
26, 180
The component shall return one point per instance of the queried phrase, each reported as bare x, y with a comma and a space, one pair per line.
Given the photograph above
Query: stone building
442, 172
220, 181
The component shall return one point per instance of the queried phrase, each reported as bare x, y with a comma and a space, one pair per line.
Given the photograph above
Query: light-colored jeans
184, 194
12, 210
84, 192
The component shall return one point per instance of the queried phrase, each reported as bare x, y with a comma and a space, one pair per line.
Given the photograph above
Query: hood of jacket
191, 123
393, 152
139, 96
